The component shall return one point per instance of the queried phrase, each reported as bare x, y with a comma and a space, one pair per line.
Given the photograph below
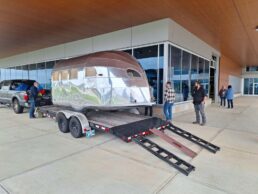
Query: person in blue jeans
222, 95
32, 98
169, 101
199, 95
230, 96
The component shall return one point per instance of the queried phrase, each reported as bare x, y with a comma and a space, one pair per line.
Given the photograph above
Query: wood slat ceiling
227, 25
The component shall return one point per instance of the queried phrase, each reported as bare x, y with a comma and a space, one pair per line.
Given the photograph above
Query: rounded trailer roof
117, 59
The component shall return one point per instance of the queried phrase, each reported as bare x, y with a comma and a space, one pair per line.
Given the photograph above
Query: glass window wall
49, 67
129, 51
251, 68
13, 72
150, 58
33, 72
25, 72
250, 86
174, 70
184, 69
18, 72
185, 76
8, 74
40, 72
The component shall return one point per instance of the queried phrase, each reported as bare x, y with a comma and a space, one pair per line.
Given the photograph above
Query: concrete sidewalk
35, 158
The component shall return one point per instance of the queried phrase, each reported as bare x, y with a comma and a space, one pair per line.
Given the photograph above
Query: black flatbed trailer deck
105, 119
132, 127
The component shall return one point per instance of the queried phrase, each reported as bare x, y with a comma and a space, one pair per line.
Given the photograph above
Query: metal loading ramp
137, 131
193, 138
168, 157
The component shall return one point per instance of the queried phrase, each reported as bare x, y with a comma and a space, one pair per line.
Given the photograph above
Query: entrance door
212, 84
255, 88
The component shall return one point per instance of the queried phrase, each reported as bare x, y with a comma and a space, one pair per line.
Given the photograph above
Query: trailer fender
81, 117
134, 111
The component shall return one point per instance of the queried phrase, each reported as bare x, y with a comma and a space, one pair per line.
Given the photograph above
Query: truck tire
75, 127
17, 108
62, 122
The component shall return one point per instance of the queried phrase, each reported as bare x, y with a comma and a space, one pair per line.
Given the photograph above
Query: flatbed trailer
128, 127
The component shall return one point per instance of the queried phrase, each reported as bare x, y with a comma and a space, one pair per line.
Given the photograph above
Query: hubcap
74, 127
15, 105
62, 124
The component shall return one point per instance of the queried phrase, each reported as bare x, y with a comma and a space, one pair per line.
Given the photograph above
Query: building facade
165, 50
250, 80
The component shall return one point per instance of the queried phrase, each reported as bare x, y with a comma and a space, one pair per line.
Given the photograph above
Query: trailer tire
62, 123
75, 127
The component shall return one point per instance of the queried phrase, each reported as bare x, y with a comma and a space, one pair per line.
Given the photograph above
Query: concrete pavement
35, 158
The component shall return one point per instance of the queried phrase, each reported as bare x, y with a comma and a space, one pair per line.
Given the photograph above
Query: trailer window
74, 74
55, 76
117, 72
64, 75
90, 72
133, 73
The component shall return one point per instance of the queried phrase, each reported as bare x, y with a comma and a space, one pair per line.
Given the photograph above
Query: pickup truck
16, 93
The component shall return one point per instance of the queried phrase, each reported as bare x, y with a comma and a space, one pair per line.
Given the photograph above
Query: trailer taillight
129, 139
26, 97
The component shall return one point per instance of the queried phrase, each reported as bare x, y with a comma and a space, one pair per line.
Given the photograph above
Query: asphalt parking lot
35, 158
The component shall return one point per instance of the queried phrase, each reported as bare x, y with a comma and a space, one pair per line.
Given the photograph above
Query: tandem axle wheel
72, 125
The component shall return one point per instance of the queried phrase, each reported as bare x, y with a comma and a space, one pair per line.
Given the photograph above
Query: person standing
199, 101
222, 95
185, 91
149, 109
169, 98
230, 96
32, 98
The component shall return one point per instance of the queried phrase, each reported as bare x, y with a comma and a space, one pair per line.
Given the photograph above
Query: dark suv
16, 94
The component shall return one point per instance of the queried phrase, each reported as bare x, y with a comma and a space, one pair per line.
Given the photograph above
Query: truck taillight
26, 97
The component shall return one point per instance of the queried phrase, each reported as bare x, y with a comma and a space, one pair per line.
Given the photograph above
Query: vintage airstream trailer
103, 80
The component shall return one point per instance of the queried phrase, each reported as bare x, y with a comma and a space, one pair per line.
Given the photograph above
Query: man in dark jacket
198, 101
32, 98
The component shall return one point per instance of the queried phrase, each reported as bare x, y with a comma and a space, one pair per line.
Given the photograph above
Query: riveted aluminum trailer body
108, 80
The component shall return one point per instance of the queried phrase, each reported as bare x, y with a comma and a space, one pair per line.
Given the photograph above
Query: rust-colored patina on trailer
102, 80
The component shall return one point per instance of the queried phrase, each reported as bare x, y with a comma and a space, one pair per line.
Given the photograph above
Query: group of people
198, 94
226, 94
